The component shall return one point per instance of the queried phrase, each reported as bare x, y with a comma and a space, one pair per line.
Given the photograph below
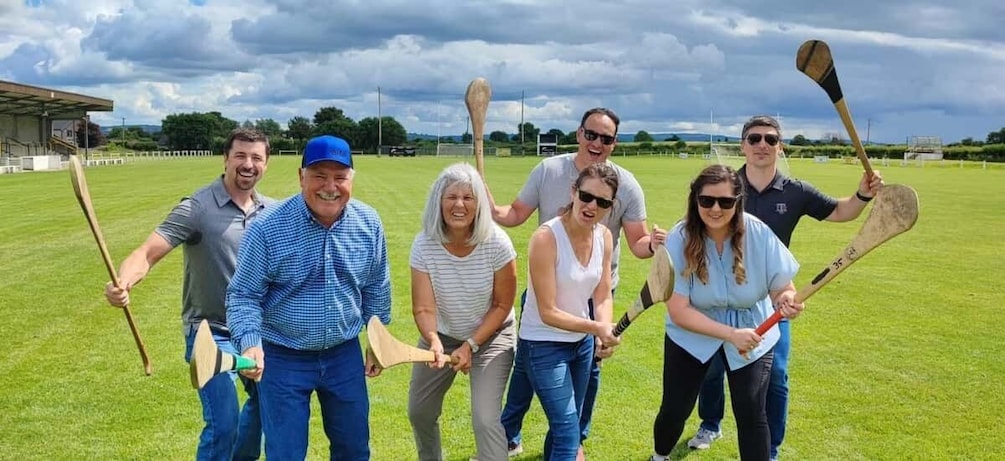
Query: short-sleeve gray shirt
549, 188
211, 226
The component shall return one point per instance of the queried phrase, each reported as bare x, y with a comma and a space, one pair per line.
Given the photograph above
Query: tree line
208, 131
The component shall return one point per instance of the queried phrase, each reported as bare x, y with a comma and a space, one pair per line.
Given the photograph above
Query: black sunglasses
591, 135
754, 138
726, 203
587, 197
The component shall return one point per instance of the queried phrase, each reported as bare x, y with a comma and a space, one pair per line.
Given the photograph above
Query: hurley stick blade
659, 284
389, 351
895, 212
208, 360
814, 59
84, 199
477, 99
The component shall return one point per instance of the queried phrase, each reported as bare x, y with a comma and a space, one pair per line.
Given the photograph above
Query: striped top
462, 286
306, 287
574, 285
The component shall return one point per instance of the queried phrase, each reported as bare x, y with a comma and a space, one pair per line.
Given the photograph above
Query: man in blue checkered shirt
311, 272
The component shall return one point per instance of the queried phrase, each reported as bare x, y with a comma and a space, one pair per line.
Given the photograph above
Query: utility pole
521, 121
123, 132
87, 141
711, 123
380, 133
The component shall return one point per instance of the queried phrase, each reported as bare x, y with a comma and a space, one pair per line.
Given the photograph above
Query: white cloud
908, 66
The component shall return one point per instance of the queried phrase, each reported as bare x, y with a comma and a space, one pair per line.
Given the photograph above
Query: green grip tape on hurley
244, 363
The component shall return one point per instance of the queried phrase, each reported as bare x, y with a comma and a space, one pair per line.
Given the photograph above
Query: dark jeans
231, 432
712, 398
519, 395
682, 378
289, 380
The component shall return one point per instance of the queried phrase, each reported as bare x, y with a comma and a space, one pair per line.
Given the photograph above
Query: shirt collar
222, 196
777, 182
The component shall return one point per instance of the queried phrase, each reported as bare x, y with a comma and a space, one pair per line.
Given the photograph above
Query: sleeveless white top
574, 285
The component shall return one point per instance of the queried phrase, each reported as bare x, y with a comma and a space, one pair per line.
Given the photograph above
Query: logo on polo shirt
781, 208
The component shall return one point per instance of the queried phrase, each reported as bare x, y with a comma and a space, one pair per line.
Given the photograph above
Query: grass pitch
898, 358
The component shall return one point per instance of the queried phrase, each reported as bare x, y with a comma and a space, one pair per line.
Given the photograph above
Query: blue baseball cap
327, 148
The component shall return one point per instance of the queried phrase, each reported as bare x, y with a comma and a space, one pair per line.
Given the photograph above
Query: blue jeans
558, 373
711, 401
289, 380
519, 395
230, 433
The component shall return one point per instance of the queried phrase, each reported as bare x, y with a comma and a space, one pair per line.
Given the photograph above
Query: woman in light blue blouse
731, 273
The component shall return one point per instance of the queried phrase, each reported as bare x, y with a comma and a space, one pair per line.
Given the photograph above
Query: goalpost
725, 154
730, 154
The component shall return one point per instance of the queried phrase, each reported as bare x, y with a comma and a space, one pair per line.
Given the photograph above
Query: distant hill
687, 137
147, 128
426, 137
622, 137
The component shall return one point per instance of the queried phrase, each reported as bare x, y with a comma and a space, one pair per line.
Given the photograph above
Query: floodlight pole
380, 134
521, 121
87, 141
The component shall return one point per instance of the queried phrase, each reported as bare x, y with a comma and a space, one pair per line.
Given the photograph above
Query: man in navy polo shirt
779, 201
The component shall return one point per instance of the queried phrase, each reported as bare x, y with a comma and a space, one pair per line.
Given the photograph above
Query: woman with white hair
463, 286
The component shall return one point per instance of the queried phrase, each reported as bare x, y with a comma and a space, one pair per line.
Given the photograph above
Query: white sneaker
703, 439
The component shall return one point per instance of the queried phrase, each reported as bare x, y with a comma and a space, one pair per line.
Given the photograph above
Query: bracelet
861, 197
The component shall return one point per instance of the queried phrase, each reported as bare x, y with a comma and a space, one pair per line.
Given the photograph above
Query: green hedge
989, 152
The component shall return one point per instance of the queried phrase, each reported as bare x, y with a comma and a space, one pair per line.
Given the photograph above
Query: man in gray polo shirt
211, 223
779, 201
547, 190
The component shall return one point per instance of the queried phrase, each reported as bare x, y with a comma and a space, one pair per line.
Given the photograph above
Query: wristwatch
474, 346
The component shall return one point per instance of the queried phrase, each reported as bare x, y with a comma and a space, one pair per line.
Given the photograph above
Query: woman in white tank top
570, 262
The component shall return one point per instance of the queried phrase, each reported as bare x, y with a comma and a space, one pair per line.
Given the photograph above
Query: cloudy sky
907, 67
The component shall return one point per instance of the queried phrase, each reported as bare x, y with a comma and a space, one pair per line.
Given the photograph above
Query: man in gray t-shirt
547, 190
210, 223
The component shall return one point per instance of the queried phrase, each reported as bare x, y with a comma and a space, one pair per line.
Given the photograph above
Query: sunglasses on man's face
591, 135
587, 197
725, 203
754, 138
